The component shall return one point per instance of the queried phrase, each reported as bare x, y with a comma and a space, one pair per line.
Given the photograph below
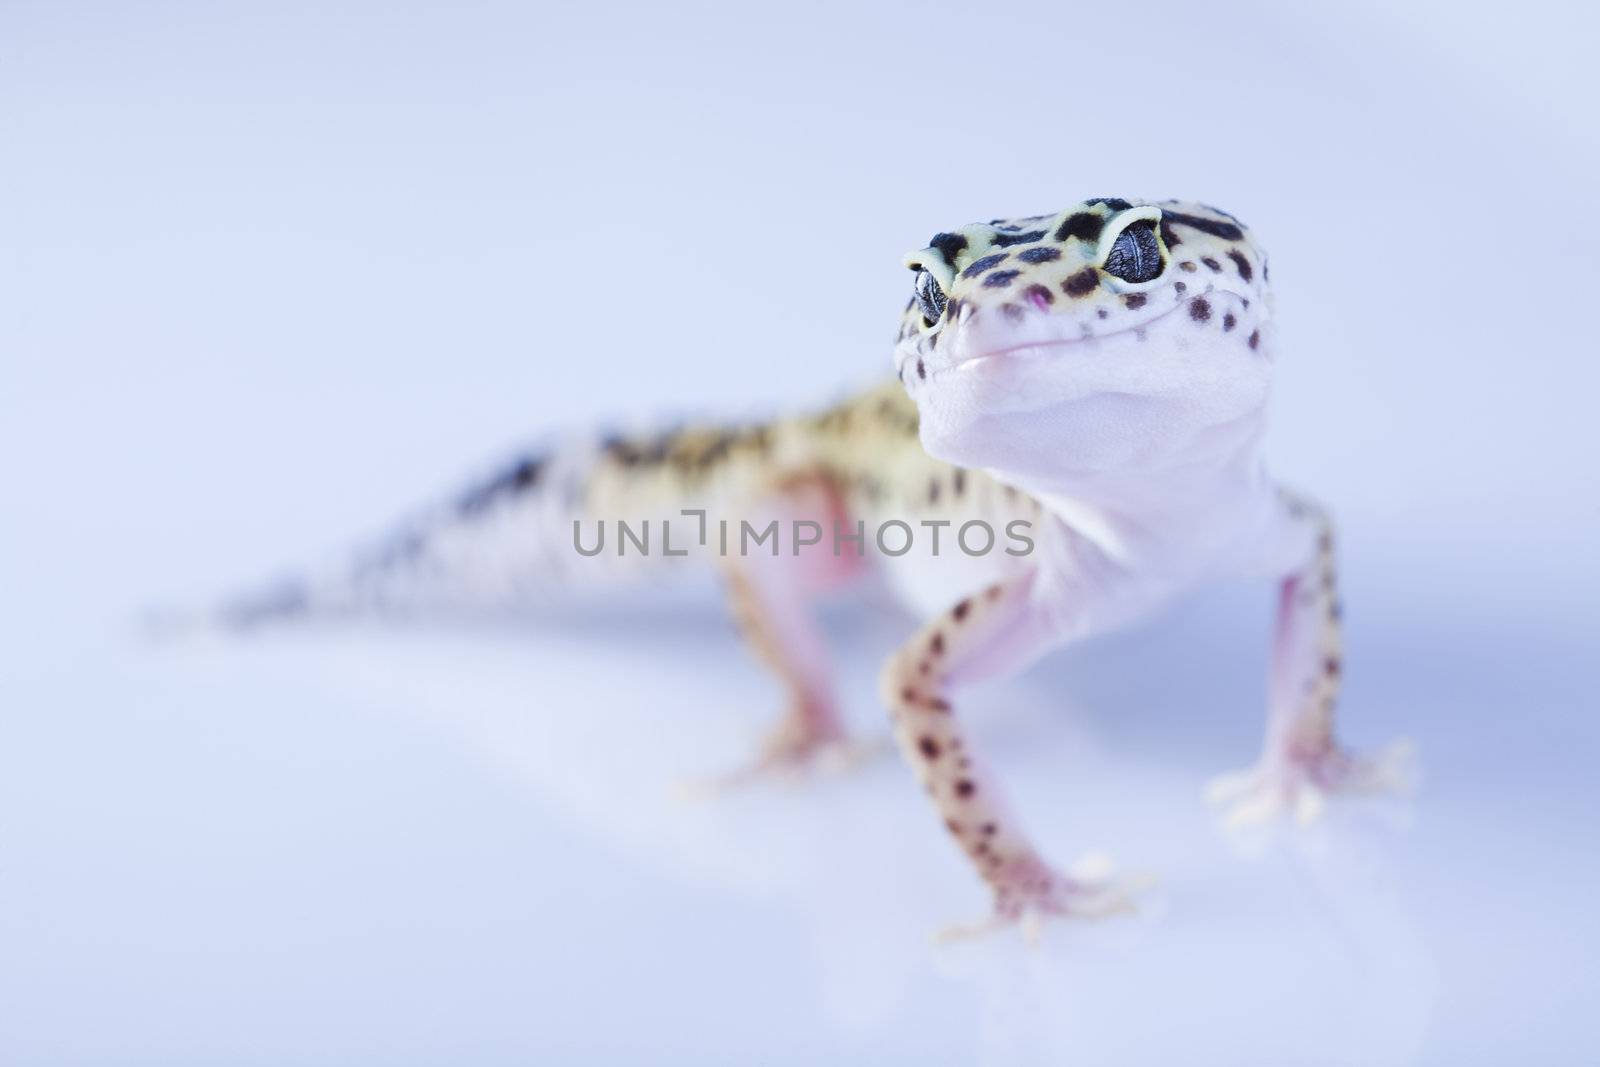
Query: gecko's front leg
994, 631
1302, 761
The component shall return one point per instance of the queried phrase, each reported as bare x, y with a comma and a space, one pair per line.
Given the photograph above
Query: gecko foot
807, 741
1300, 782
1029, 891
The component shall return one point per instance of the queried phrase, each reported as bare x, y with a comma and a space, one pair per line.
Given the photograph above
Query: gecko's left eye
930, 298
1135, 255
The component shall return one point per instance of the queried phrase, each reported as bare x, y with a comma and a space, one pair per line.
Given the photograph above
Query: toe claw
1225, 788
846, 754
1259, 806
1032, 924
1391, 770
1091, 890
1301, 784
1309, 804
791, 755
969, 931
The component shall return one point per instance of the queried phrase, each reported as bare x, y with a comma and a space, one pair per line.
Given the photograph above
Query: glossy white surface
278, 276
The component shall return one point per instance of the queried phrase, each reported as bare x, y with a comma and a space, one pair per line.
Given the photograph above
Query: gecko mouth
981, 361
984, 362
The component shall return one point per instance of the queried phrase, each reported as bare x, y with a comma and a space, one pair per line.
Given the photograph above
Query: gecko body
1095, 379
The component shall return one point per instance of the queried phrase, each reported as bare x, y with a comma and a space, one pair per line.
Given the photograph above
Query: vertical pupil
1135, 255
930, 297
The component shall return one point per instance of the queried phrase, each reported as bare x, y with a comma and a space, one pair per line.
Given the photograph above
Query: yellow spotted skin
1114, 358
1057, 264
868, 445
1020, 334
851, 466
865, 449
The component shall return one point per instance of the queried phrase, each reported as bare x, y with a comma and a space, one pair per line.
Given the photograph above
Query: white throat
1187, 511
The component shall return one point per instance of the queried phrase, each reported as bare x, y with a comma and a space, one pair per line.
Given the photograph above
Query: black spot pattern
526, 473
1199, 309
978, 266
1039, 255
948, 245
519, 477
1241, 263
1225, 230
634, 453
1085, 226
1219, 211
1082, 283
1000, 279
1211, 264
1113, 202
1014, 225
1005, 240
1133, 300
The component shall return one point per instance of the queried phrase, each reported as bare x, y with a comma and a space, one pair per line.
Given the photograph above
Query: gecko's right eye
1135, 255
930, 297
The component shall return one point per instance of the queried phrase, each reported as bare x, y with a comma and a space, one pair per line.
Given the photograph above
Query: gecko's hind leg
773, 596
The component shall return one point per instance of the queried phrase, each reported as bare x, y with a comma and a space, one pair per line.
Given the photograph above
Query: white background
275, 273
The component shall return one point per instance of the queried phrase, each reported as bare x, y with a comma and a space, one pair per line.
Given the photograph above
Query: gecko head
1112, 336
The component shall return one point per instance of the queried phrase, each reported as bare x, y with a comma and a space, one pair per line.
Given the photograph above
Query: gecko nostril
1040, 297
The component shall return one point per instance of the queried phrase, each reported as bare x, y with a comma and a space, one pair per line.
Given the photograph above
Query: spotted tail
509, 543
493, 547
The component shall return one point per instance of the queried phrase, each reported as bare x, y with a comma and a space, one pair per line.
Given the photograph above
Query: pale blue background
275, 273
